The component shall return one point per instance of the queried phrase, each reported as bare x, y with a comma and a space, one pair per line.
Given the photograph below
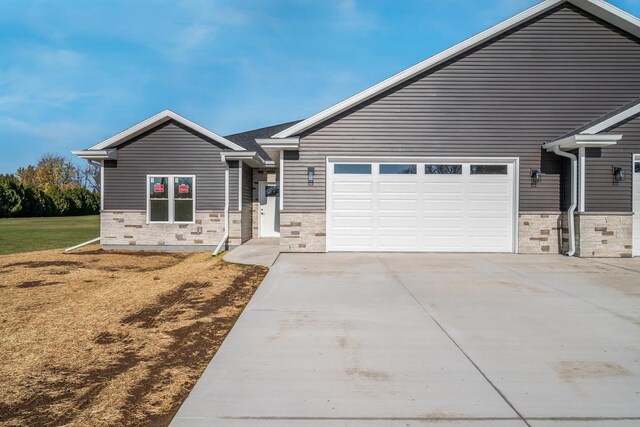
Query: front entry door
269, 199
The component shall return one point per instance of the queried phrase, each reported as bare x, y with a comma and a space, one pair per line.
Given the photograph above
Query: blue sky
75, 72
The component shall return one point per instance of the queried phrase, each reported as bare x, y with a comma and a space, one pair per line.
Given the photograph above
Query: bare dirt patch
119, 340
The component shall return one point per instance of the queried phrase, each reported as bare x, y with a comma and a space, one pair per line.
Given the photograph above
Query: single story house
522, 139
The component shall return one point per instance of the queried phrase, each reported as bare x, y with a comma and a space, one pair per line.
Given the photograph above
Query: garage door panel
352, 187
409, 221
397, 242
353, 204
397, 204
443, 206
421, 212
398, 188
433, 188
354, 221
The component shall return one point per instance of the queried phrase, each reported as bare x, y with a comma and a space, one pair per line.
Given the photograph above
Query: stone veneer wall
130, 228
303, 232
604, 235
540, 233
235, 229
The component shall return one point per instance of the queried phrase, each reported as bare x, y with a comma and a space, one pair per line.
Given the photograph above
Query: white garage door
420, 207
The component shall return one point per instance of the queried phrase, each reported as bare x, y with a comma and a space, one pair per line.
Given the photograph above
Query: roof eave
574, 142
279, 143
251, 158
111, 154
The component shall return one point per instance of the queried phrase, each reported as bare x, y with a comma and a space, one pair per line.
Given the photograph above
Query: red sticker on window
158, 188
183, 188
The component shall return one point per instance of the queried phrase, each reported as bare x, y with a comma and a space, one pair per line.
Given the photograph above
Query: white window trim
170, 183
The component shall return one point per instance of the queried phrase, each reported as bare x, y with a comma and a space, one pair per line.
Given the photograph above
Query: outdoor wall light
536, 177
311, 173
618, 174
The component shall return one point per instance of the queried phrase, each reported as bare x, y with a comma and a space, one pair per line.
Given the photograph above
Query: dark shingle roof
247, 139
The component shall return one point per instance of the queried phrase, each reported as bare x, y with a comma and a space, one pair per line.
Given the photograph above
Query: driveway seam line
500, 393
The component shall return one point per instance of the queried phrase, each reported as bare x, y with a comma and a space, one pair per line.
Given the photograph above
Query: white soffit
111, 154
598, 8
154, 121
574, 142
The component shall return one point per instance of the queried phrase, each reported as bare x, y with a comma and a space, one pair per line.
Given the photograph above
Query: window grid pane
158, 187
351, 169
183, 187
391, 169
159, 210
183, 210
443, 169
489, 170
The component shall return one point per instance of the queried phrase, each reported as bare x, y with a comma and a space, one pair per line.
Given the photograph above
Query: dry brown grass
111, 338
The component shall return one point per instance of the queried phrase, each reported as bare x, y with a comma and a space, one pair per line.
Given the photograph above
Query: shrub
17, 199
11, 195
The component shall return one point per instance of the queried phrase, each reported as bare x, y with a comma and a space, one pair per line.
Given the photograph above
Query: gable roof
247, 139
598, 8
153, 121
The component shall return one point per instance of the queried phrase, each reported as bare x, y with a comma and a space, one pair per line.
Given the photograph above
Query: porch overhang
279, 143
109, 154
251, 158
575, 142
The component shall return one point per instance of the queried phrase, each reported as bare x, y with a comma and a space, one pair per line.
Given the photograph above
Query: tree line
52, 187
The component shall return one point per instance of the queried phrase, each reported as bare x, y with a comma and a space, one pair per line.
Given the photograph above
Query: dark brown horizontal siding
602, 193
505, 98
168, 149
247, 184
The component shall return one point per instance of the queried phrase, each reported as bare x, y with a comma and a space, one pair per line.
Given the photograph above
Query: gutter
574, 197
226, 211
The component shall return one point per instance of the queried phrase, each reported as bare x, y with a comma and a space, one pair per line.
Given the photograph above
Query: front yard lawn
111, 338
35, 234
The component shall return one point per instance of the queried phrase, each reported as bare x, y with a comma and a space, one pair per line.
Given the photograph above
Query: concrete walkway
430, 339
256, 252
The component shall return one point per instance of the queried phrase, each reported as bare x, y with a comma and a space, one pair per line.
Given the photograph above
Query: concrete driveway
452, 340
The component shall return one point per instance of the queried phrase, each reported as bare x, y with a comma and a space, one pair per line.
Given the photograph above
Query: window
159, 199
271, 191
637, 167
387, 169
443, 169
489, 169
171, 199
352, 169
183, 199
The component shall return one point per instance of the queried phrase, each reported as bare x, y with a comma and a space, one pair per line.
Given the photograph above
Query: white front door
434, 205
269, 199
636, 205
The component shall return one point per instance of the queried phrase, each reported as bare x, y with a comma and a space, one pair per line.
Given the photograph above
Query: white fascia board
585, 141
280, 143
599, 8
160, 118
612, 121
251, 158
96, 154
611, 14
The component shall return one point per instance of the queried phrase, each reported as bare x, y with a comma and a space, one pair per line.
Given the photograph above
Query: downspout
574, 197
226, 210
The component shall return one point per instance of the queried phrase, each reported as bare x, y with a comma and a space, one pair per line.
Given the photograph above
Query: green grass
36, 234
